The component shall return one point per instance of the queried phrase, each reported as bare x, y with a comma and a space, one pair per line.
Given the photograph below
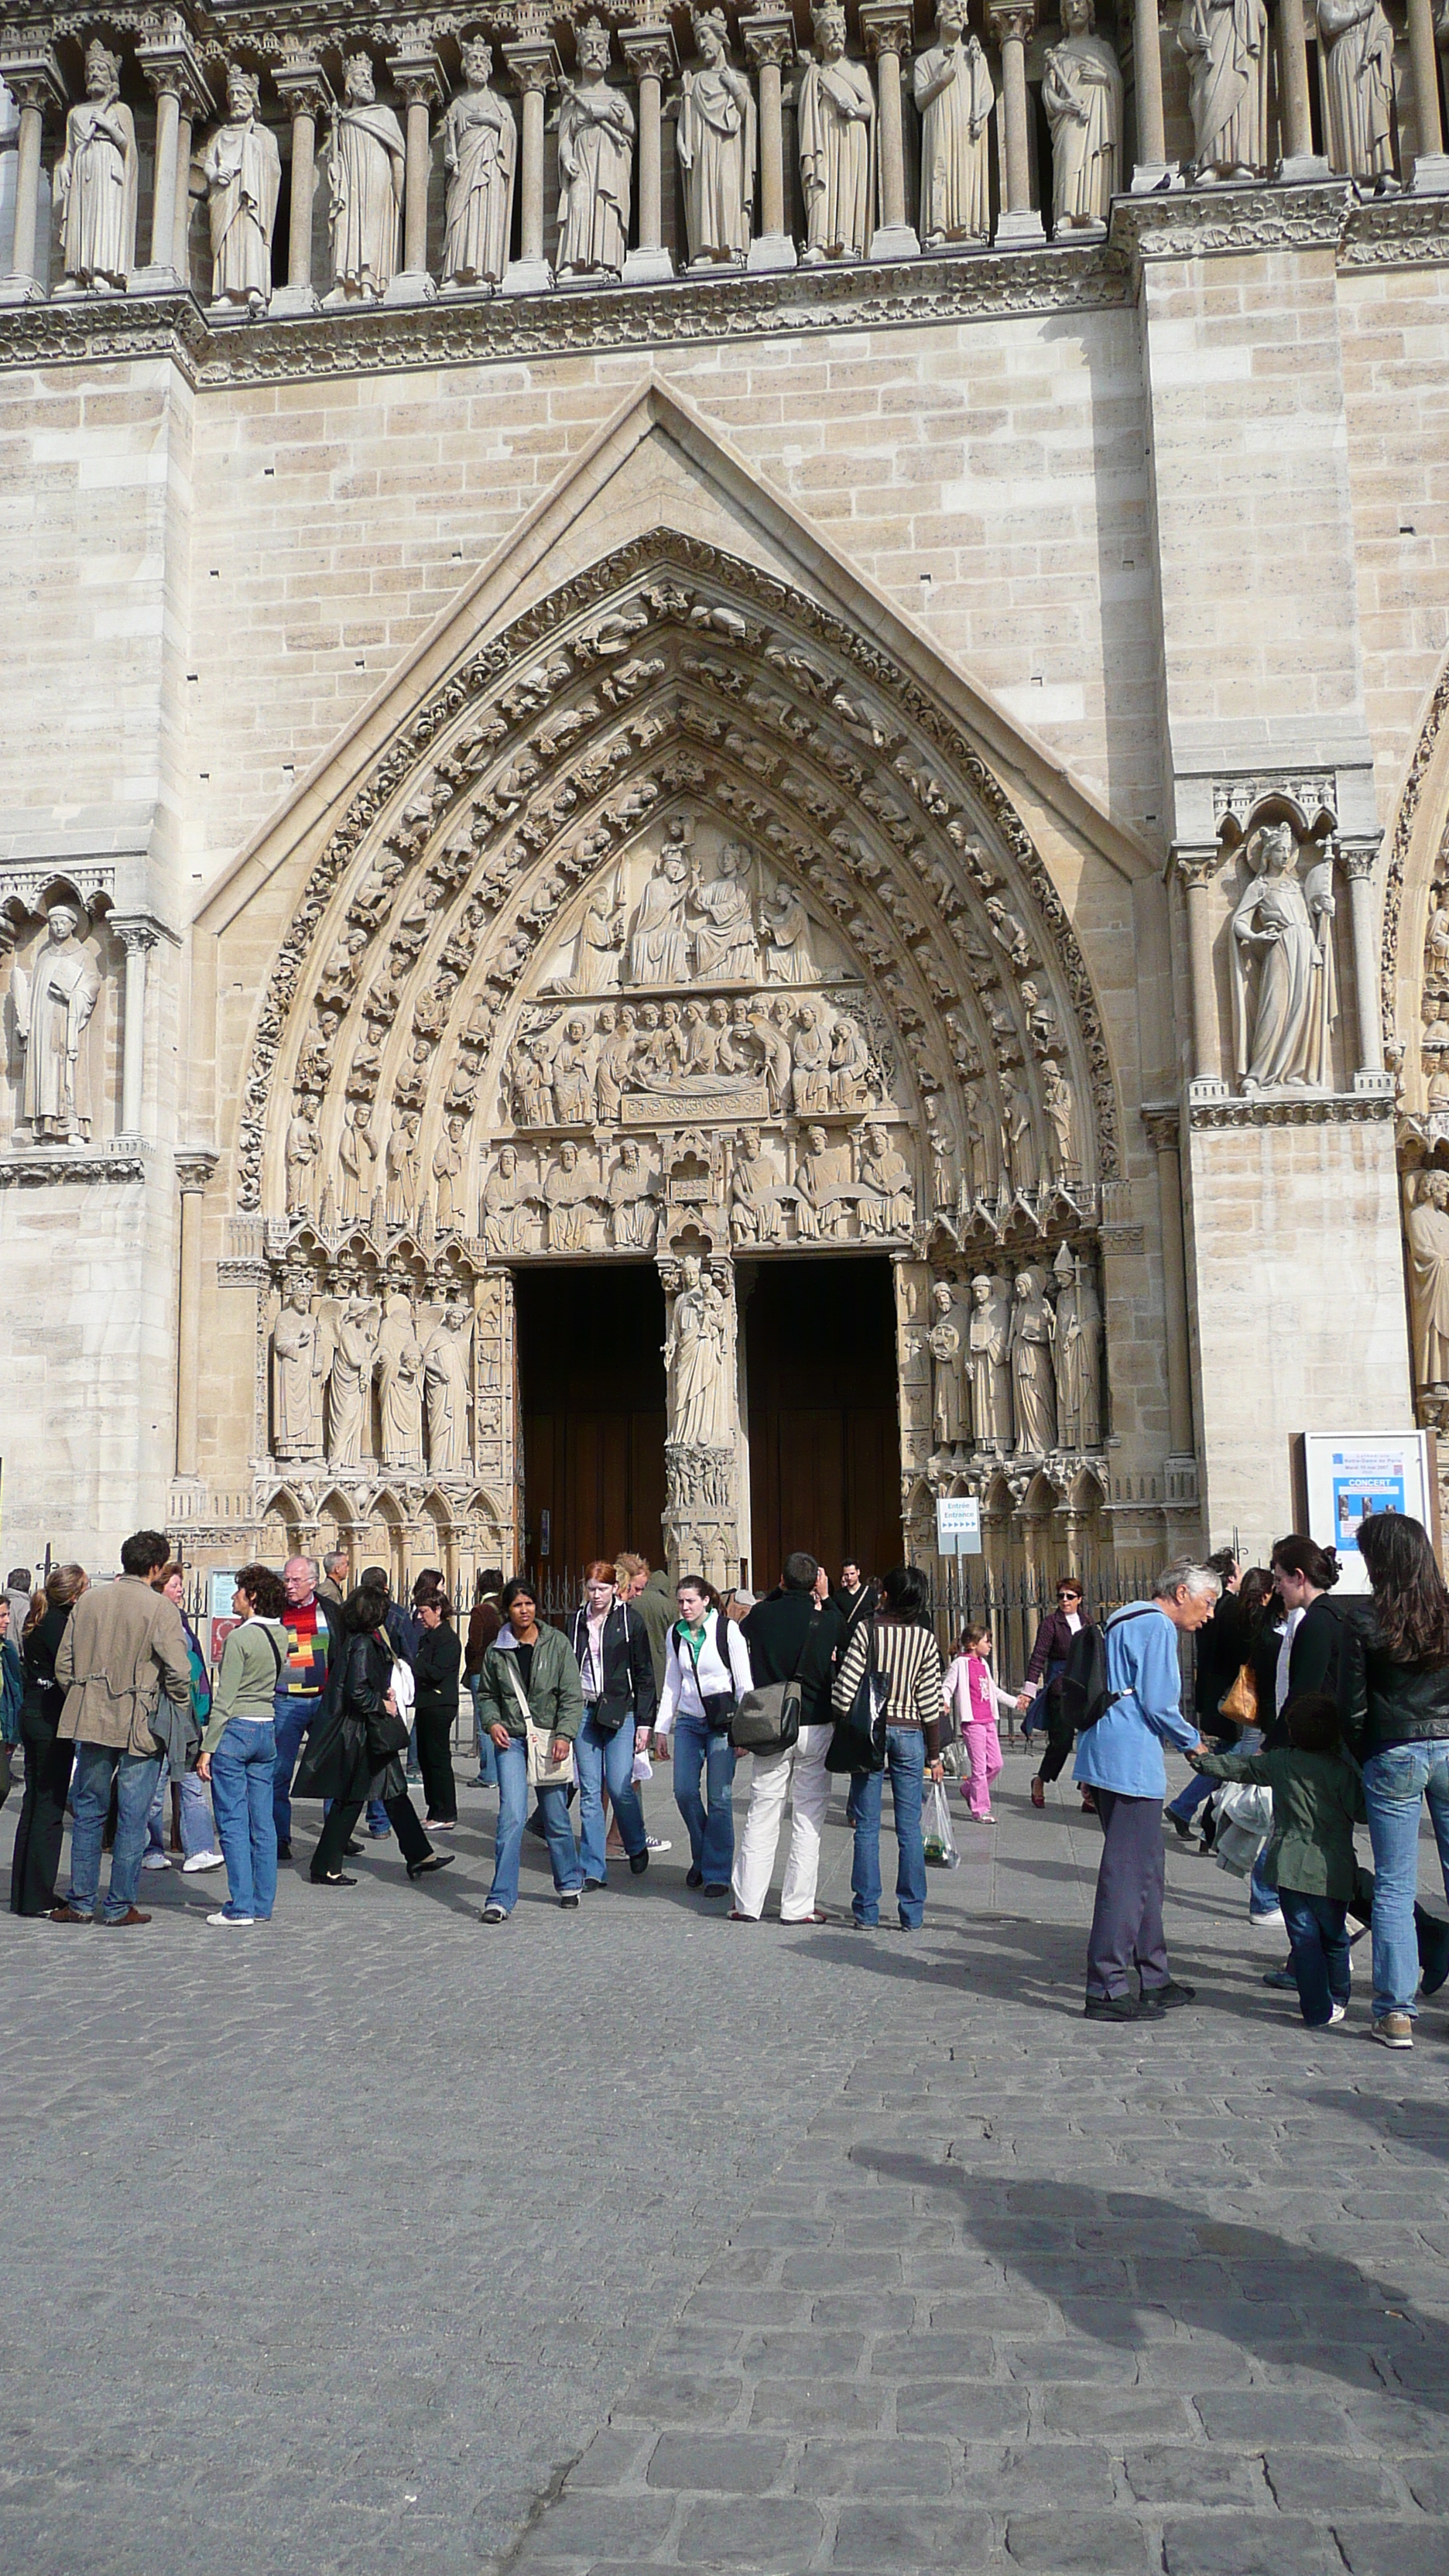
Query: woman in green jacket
530, 1683
239, 1748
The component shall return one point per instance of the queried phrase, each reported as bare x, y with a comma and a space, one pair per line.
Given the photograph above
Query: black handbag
385, 1731
858, 1743
767, 1719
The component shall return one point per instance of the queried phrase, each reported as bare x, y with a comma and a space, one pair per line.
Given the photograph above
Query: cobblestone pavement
639, 2238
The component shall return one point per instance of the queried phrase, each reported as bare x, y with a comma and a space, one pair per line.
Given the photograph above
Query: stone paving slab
634, 2238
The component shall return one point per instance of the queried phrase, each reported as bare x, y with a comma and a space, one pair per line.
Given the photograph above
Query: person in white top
706, 1667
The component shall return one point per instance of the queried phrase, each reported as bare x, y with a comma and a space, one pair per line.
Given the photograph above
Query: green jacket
248, 1679
555, 1694
1317, 1801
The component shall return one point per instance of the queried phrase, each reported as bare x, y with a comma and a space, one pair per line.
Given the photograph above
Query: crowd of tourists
1309, 1716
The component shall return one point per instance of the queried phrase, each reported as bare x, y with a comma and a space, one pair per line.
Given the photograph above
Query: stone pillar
138, 939
35, 84
1012, 22
769, 42
650, 55
701, 1455
173, 76
1431, 162
1198, 876
419, 76
534, 65
1369, 1074
1162, 1130
1151, 165
886, 27
1299, 161
193, 1171
307, 92
181, 223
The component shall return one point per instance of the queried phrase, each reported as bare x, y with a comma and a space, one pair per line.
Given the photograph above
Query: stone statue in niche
575, 1101
242, 168
724, 940
357, 1153
1359, 88
716, 143
401, 1201
988, 1343
1033, 1378
595, 162
835, 118
659, 941
507, 1208
303, 1145
1018, 1139
849, 1065
299, 1363
349, 1380
1056, 1100
445, 1391
885, 1171
633, 1205
399, 1370
1082, 93
568, 1195
95, 183
954, 96
757, 1213
785, 925
824, 1187
532, 1089
614, 1031
810, 1063
448, 1165
1427, 1230
769, 1024
1078, 1353
54, 1000
596, 965
480, 155
696, 1357
1281, 953
1227, 45
978, 1150
949, 1418
365, 158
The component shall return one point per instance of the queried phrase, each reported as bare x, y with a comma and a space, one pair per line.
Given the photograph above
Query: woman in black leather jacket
47, 1761
1394, 1693
339, 1763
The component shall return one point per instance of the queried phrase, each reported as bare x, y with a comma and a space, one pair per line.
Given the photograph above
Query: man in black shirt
789, 1633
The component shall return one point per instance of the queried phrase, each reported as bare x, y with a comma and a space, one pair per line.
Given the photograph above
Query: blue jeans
1262, 1895
1318, 1931
606, 1761
243, 1774
701, 1750
568, 1878
906, 1762
1395, 1784
1187, 1802
487, 1750
135, 1776
198, 1833
290, 1721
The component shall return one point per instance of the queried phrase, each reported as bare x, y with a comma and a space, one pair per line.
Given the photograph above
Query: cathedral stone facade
725, 785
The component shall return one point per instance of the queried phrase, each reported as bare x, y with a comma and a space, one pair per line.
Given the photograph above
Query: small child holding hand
974, 1697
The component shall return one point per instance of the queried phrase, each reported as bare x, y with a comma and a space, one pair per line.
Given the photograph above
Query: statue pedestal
527, 277
156, 281
1024, 227
1431, 175
18, 289
772, 251
895, 241
411, 286
648, 268
292, 300
1154, 178
1299, 168
1373, 1083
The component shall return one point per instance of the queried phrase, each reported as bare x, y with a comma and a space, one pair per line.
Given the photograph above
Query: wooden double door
591, 1377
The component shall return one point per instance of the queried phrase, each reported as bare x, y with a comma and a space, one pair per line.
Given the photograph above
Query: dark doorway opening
825, 1452
591, 1378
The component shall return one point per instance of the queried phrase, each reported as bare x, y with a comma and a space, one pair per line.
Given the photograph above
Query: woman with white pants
793, 1631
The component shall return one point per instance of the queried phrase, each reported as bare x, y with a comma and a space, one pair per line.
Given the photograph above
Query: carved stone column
534, 65
1151, 166
1011, 23
194, 1169
1358, 865
305, 87
173, 76
1197, 876
1299, 161
1162, 1131
1431, 162
768, 38
419, 76
35, 84
702, 1433
650, 55
138, 938
887, 30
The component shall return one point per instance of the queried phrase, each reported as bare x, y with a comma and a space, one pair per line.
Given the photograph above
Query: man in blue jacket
1120, 1756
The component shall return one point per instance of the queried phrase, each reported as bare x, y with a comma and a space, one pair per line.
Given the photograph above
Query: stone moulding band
1314, 1109
44, 1169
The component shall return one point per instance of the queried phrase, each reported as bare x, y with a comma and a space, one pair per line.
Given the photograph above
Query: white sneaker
1267, 1922
1337, 2012
155, 1860
203, 1860
230, 1919
653, 1843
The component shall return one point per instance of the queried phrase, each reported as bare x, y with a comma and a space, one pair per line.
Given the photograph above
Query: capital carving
304, 86
533, 64
768, 39
168, 65
194, 1167
649, 52
1197, 869
1012, 22
1163, 1128
1358, 863
419, 77
887, 28
33, 80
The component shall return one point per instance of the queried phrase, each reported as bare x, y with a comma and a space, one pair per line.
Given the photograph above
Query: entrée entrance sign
958, 1526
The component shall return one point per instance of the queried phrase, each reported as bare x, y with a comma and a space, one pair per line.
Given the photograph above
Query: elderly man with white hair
302, 1682
1120, 1757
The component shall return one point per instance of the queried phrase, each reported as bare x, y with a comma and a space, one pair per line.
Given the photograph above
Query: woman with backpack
616, 1673
1394, 1692
706, 1670
898, 1643
353, 1751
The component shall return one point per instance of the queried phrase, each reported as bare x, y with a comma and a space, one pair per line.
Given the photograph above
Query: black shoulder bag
858, 1743
767, 1719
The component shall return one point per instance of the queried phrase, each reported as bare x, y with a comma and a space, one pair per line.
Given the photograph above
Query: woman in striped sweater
899, 1643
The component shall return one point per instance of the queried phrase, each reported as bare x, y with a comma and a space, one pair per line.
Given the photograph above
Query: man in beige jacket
123, 1645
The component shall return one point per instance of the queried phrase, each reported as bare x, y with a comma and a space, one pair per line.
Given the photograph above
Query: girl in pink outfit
972, 1694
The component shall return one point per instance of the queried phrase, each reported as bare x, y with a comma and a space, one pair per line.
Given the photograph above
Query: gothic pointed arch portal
679, 921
